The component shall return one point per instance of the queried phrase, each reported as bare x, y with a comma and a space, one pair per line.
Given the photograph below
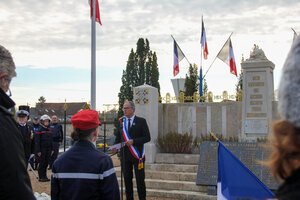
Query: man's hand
129, 143
39, 154
114, 150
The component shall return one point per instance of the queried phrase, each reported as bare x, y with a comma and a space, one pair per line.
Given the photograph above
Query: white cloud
56, 33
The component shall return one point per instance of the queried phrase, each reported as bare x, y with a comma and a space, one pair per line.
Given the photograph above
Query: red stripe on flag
97, 11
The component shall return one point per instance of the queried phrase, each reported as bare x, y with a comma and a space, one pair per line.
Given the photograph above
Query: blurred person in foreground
284, 160
15, 182
83, 172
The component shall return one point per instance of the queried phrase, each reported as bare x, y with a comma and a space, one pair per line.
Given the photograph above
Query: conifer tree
141, 68
191, 85
239, 88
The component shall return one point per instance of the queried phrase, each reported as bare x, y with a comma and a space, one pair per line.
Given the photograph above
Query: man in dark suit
134, 132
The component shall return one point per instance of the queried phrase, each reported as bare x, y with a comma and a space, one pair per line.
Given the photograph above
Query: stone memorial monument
258, 87
146, 106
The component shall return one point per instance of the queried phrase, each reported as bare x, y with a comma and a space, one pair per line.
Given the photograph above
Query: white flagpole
93, 56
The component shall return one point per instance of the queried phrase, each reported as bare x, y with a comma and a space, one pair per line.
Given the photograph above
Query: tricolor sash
134, 151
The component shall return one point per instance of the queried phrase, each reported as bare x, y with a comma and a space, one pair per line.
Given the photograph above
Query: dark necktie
128, 125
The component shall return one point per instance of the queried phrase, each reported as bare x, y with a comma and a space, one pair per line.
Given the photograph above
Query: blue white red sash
134, 151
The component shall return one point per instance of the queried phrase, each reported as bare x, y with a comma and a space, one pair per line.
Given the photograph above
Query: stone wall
200, 118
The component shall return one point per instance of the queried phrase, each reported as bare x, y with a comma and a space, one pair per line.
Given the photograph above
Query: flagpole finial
214, 136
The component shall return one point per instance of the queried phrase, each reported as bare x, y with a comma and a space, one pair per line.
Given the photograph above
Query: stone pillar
258, 93
146, 106
178, 86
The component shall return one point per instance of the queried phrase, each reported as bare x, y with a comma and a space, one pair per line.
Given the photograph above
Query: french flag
178, 56
204, 42
97, 11
236, 181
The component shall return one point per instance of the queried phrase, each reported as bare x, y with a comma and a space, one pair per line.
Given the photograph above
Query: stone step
169, 168
171, 185
164, 175
174, 195
189, 168
168, 158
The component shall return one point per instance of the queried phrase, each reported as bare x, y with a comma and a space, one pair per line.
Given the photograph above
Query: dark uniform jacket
290, 189
43, 139
57, 132
140, 134
83, 172
26, 132
14, 179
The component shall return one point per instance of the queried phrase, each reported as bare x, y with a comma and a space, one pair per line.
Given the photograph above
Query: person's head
285, 138
7, 69
128, 108
22, 116
45, 120
85, 124
54, 119
35, 120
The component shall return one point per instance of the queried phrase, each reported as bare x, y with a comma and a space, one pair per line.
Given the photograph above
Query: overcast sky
50, 41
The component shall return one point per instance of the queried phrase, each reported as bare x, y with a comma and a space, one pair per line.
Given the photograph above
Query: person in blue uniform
35, 127
57, 138
83, 172
43, 146
25, 129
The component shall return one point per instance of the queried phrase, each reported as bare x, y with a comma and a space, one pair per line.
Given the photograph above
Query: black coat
14, 179
26, 132
138, 132
290, 189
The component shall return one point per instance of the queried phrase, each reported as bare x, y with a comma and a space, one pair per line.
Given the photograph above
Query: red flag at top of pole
97, 11
204, 42
227, 56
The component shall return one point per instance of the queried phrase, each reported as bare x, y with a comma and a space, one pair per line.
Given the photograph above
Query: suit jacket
138, 132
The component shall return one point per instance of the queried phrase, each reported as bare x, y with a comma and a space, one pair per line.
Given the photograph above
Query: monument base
150, 152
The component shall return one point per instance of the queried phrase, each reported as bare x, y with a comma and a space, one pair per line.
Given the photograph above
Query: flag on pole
227, 56
200, 83
204, 42
178, 56
97, 11
236, 181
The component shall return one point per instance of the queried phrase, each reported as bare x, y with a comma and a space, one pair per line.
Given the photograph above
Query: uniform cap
45, 117
86, 119
289, 87
23, 113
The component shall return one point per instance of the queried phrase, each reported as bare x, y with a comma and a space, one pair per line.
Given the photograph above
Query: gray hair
131, 104
7, 64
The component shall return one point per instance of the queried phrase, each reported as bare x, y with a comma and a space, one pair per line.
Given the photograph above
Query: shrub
175, 143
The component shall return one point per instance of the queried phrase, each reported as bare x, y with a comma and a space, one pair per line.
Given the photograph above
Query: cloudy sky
50, 41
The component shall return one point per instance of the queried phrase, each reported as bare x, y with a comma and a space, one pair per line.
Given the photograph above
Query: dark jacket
83, 172
138, 132
14, 179
26, 132
43, 138
290, 189
57, 132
